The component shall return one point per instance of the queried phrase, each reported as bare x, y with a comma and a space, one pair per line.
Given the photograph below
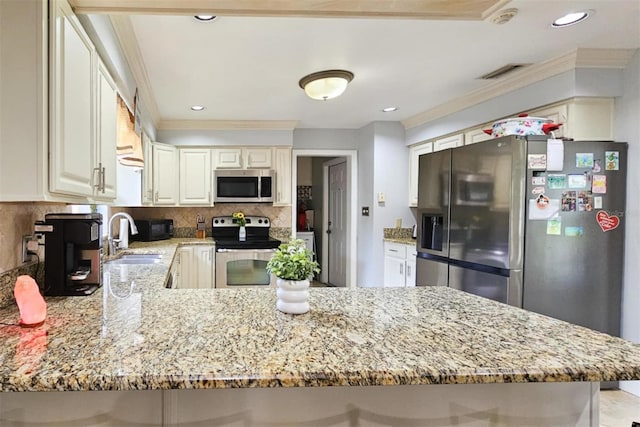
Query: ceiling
247, 68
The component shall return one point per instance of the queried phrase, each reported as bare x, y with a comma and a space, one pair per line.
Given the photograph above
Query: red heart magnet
607, 222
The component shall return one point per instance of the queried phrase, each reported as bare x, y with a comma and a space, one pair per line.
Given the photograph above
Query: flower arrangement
293, 261
240, 219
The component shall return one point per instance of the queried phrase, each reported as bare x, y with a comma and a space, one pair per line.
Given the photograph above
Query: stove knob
259, 221
266, 221
222, 221
215, 221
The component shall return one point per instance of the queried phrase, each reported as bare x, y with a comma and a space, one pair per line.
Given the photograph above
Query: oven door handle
246, 250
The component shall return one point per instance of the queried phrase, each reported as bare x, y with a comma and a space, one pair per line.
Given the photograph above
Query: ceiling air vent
496, 74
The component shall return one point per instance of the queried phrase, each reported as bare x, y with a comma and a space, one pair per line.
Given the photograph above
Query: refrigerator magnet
596, 166
556, 181
555, 154
585, 201
568, 203
599, 184
537, 190
538, 178
543, 207
574, 231
607, 222
577, 180
612, 160
584, 160
537, 161
597, 202
554, 226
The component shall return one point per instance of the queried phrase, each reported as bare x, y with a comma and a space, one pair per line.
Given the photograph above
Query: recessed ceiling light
389, 109
205, 18
197, 108
571, 18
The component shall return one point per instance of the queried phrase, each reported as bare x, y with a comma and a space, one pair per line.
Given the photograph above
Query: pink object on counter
33, 308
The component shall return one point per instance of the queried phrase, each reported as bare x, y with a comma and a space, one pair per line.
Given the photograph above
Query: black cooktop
225, 232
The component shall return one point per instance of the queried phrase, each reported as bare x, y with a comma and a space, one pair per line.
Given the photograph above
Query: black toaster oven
150, 230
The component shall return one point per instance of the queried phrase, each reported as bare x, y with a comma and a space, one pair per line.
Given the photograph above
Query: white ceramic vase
242, 233
293, 296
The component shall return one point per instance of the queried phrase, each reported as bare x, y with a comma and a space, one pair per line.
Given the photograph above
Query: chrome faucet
110, 240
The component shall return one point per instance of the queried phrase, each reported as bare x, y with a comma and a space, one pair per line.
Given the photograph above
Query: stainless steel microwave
240, 186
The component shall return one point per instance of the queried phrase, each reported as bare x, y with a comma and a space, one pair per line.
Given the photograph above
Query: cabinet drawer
396, 250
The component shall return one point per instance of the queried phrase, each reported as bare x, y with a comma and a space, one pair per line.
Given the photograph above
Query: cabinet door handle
103, 181
401, 270
156, 196
408, 270
96, 172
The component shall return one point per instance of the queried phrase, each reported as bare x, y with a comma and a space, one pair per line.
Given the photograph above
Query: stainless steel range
243, 263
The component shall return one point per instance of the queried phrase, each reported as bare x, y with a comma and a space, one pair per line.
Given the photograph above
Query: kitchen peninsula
431, 356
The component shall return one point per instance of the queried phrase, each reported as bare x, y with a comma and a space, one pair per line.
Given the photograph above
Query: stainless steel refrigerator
530, 223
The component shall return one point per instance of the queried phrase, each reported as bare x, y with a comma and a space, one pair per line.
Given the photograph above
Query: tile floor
618, 408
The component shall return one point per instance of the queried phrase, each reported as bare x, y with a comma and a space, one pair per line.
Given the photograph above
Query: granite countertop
135, 334
403, 240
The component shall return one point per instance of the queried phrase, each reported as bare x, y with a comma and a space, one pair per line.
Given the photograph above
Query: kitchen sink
137, 259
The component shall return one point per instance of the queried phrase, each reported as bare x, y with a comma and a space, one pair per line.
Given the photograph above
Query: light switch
365, 211
380, 197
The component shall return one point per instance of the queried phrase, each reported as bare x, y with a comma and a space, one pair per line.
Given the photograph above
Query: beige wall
17, 220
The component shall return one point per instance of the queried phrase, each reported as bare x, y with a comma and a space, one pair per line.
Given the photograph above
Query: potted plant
294, 266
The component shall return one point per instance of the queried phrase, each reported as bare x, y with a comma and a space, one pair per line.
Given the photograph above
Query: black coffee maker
73, 253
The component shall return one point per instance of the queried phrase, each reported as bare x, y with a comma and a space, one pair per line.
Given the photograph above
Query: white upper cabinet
452, 141
147, 172
227, 158
106, 138
257, 158
83, 128
283, 176
242, 158
582, 119
476, 135
415, 151
165, 174
72, 138
195, 176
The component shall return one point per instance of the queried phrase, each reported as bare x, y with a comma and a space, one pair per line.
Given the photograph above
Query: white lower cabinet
399, 265
194, 267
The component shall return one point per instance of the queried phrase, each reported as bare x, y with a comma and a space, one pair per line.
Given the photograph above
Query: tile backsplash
17, 220
185, 217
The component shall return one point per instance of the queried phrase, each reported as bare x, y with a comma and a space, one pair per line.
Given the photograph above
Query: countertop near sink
134, 334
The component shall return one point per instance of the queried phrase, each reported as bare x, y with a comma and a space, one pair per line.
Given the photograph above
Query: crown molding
604, 58
579, 58
227, 124
127, 38
451, 9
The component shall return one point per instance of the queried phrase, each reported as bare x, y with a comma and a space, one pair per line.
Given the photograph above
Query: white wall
627, 128
366, 234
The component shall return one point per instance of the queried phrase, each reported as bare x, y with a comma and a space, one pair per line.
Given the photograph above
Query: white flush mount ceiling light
205, 18
389, 109
571, 18
197, 107
327, 84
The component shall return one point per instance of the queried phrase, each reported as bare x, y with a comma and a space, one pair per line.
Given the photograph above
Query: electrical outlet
25, 242
365, 211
